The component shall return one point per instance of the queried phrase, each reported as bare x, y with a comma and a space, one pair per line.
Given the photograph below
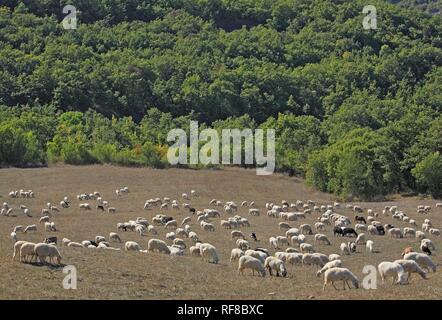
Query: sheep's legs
333, 284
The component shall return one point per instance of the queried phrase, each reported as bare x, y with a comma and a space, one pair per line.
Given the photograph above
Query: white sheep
434, 232
257, 254
423, 260
186, 220
151, 229
392, 269
334, 256
313, 259
132, 246
195, 251
45, 250
180, 243
293, 258
249, 262
344, 248
114, 237
273, 242
329, 265
409, 232
17, 247
207, 226
282, 241
27, 250
340, 274
74, 245
396, 233
410, 267
65, 241
236, 234
242, 244
29, 228
235, 254
277, 265
171, 224
157, 245
360, 239
322, 238
209, 253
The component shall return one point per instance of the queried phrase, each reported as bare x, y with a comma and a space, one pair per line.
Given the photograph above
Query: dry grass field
105, 274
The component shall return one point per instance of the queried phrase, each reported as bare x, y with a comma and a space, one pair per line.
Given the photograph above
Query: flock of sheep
181, 235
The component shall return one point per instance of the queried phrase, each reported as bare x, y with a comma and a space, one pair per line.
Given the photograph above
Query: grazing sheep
114, 237
249, 262
360, 239
151, 229
195, 251
282, 241
242, 244
27, 250
236, 234
420, 235
235, 254
132, 246
273, 263
395, 233
186, 220
292, 232
293, 258
290, 249
423, 260
344, 248
410, 267
74, 245
209, 253
394, 270
111, 210
17, 247
156, 245
305, 229
44, 250
44, 219
322, 238
320, 226
434, 232
331, 264
171, 224
314, 259
29, 228
340, 274
170, 236
284, 226
334, 256
176, 250
409, 232
207, 226
65, 241
273, 242
180, 243
361, 227
262, 256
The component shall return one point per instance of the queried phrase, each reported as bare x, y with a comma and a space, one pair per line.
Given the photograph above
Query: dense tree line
357, 112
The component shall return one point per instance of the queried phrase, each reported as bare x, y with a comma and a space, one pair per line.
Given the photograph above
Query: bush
428, 174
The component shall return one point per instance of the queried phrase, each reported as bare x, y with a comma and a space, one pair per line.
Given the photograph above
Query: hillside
109, 91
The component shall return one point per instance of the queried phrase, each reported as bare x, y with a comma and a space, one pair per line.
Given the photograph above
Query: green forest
357, 112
